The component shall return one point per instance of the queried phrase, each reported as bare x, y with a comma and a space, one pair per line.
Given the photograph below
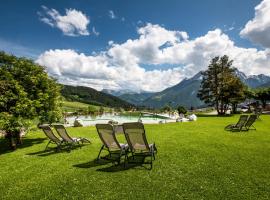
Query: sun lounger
106, 133
52, 138
138, 145
239, 125
62, 132
249, 124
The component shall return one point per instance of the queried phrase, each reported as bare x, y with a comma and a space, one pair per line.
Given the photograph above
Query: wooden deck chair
106, 133
136, 138
239, 125
249, 124
52, 138
71, 141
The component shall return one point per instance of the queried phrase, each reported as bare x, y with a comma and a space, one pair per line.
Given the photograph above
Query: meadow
195, 160
74, 106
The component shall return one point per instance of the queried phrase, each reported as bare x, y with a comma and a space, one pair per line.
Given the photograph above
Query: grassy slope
196, 160
72, 106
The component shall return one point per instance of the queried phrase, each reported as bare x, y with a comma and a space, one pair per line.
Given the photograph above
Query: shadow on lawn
27, 142
51, 151
138, 161
209, 115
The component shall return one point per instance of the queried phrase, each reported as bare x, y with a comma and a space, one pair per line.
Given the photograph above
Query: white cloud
121, 66
112, 15
74, 23
258, 29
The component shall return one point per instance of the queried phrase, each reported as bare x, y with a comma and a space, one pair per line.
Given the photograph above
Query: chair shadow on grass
216, 115
26, 142
53, 150
110, 165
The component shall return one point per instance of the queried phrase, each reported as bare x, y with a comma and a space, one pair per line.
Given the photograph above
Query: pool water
105, 118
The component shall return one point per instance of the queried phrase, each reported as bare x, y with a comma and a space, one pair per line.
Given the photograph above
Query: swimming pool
105, 118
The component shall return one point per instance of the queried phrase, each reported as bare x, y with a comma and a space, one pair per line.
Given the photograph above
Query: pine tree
220, 87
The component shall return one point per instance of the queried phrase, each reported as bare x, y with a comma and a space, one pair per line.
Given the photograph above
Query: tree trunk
234, 108
18, 138
217, 108
222, 109
263, 103
14, 139
11, 141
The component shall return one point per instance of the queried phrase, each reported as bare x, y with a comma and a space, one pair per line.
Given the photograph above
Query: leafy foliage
181, 109
166, 108
220, 86
26, 91
262, 94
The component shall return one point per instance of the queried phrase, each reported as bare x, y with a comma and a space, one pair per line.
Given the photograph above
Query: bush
181, 109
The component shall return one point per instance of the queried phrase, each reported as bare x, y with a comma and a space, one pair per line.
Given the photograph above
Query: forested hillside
92, 96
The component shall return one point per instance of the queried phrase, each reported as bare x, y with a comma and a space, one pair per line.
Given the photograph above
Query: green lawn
196, 160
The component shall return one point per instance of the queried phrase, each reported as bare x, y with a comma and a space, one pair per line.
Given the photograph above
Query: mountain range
185, 92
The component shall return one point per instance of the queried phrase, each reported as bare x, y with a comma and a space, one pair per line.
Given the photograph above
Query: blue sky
24, 32
21, 25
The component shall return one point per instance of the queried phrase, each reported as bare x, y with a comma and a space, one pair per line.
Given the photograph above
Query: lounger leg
58, 147
110, 153
47, 145
126, 154
119, 160
100, 151
84, 139
79, 144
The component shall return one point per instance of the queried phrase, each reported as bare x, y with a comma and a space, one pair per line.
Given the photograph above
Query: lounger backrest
107, 136
62, 132
135, 136
242, 121
251, 120
49, 133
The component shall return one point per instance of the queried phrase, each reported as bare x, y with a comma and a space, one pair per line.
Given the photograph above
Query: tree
181, 110
249, 94
236, 92
166, 108
101, 110
26, 92
262, 94
220, 87
91, 109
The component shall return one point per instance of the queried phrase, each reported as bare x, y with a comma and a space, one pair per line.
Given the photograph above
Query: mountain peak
197, 76
240, 74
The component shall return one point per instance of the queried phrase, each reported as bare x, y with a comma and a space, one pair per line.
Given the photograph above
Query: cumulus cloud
74, 23
122, 66
258, 29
